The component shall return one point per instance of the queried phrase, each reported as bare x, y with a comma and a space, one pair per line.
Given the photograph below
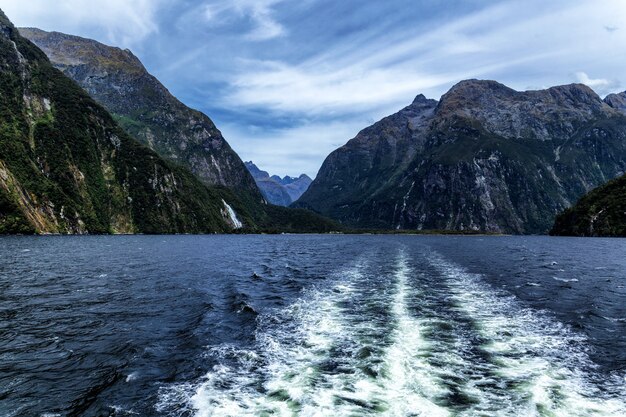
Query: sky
289, 81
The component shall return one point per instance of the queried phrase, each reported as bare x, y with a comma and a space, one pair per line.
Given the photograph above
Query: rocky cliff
144, 108
116, 79
601, 212
67, 167
484, 158
277, 190
617, 101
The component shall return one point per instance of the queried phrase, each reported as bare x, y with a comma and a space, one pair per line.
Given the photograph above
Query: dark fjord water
312, 326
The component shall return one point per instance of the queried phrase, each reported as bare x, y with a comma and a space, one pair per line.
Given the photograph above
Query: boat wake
415, 336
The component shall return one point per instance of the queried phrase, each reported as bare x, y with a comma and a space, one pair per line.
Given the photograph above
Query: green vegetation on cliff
602, 212
186, 138
485, 158
67, 167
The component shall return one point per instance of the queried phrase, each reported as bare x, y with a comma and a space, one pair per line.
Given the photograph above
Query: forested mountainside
116, 79
66, 166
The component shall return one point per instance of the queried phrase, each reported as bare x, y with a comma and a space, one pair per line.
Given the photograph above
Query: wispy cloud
503, 39
121, 22
260, 14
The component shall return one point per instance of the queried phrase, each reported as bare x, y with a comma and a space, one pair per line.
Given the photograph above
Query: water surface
312, 326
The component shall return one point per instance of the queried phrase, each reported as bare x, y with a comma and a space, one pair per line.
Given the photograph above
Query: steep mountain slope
145, 108
147, 111
485, 157
602, 212
67, 167
276, 190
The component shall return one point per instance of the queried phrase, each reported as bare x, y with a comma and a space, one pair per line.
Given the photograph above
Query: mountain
295, 186
146, 111
484, 158
601, 212
617, 101
276, 190
67, 167
116, 79
273, 191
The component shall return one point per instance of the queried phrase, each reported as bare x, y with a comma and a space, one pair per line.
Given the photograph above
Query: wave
403, 337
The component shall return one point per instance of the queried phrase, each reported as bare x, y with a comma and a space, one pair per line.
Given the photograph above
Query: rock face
484, 158
617, 101
67, 167
601, 212
276, 190
116, 79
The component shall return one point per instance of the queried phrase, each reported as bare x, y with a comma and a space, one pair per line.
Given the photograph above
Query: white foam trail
282, 377
312, 364
367, 344
538, 361
411, 385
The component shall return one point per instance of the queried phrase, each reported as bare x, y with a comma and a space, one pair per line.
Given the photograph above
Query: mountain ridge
277, 190
483, 158
145, 108
67, 167
602, 211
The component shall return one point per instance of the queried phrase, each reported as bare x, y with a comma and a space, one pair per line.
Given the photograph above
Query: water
312, 326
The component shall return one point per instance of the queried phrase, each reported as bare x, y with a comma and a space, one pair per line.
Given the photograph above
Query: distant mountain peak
276, 190
420, 98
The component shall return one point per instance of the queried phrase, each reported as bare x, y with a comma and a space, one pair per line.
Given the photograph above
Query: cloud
289, 81
266, 26
600, 85
120, 22
507, 38
284, 88
292, 150
260, 13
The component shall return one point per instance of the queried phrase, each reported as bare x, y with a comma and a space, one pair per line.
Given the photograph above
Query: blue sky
289, 81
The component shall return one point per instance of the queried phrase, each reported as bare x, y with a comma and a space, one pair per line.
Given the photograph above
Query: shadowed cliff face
145, 108
67, 167
485, 158
602, 211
